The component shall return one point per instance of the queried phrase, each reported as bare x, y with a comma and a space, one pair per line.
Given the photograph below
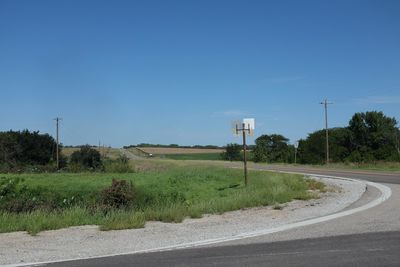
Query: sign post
246, 127
296, 145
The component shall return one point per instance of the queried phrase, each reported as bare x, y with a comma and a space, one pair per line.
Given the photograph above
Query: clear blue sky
126, 72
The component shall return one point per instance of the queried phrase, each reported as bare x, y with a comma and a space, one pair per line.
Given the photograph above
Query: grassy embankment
377, 166
165, 191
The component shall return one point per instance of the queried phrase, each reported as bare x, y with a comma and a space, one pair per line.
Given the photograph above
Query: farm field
194, 156
172, 150
167, 191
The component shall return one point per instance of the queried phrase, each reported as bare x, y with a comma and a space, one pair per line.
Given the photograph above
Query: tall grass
169, 195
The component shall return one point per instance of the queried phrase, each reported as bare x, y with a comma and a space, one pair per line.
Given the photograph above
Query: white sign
246, 125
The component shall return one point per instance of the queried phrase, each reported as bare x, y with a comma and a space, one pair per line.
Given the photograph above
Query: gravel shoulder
88, 241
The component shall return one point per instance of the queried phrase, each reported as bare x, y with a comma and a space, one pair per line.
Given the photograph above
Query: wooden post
244, 154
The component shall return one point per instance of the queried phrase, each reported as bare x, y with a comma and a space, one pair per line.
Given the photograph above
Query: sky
128, 72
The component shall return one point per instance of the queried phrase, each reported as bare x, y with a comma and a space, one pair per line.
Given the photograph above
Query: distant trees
174, 146
232, 152
312, 150
272, 148
20, 148
370, 136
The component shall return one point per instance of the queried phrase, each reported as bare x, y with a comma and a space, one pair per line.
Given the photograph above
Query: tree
272, 148
374, 137
20, 148
232, 152
312, 149
87, 157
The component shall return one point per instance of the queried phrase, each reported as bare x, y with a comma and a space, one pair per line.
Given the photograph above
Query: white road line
386, 192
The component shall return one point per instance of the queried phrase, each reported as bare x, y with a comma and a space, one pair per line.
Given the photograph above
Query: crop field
171, 150
163, 190
194, 156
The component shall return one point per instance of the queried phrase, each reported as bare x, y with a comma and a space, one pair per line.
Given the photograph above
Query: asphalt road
352, 250
369, 238
373, 176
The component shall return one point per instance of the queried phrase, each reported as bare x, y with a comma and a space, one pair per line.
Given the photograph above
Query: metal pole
295, 155
244, 154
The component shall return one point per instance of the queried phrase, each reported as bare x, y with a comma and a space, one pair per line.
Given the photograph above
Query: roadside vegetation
372, 166
166, 191
370, 141
106, 188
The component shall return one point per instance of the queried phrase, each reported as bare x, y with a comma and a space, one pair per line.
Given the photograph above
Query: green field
164, 191
194, 156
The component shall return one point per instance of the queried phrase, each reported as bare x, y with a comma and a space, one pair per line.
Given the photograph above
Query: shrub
87, 157
119, 194
232, 152
22, 149
120, 165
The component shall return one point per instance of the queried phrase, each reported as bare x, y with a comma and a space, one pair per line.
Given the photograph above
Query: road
368, 238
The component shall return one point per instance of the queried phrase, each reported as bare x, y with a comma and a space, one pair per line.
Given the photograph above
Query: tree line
370, 136
174, 146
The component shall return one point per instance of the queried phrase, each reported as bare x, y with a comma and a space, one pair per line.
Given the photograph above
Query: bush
232, 152
119, 194
120, 165
21, 149
87, 157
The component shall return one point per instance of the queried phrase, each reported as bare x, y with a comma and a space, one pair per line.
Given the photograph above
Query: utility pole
246, 127
57, 119
244, 153
326, 103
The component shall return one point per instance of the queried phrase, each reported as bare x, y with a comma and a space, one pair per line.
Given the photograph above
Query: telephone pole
57, 119
246, 127
326, 103
244, 153
296, 145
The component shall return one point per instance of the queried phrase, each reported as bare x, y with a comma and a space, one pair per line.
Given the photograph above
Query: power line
326, 103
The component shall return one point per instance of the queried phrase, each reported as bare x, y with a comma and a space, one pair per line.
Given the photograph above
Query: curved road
368, 238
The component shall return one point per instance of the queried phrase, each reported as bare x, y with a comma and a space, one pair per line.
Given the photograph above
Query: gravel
88, 241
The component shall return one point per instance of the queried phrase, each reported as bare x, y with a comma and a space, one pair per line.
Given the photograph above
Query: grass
375, 166
194, 156
167, 191
179, 150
